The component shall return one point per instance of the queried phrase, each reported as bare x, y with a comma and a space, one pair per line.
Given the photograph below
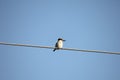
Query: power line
49, 47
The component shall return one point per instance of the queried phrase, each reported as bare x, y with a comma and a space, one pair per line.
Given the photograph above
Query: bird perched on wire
59, 44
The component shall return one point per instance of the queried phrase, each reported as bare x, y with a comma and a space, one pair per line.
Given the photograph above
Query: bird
59, 44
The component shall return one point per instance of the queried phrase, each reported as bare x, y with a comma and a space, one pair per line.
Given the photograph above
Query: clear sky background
84, 24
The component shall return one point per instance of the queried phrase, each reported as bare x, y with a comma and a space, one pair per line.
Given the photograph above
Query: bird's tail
54, 50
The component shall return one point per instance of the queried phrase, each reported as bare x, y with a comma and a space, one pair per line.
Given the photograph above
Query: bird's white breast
60, 44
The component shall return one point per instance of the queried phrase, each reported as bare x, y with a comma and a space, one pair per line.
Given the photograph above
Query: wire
49, 47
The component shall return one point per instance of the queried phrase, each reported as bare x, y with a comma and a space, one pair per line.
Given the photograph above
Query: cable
49, 47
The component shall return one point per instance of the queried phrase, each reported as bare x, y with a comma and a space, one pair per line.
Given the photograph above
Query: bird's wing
56, 45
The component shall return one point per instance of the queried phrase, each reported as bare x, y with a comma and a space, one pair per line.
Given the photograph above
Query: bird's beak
64, 40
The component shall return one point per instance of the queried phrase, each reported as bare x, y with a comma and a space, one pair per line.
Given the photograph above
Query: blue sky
84, 24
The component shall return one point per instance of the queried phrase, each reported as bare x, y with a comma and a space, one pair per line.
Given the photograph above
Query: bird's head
61, 39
